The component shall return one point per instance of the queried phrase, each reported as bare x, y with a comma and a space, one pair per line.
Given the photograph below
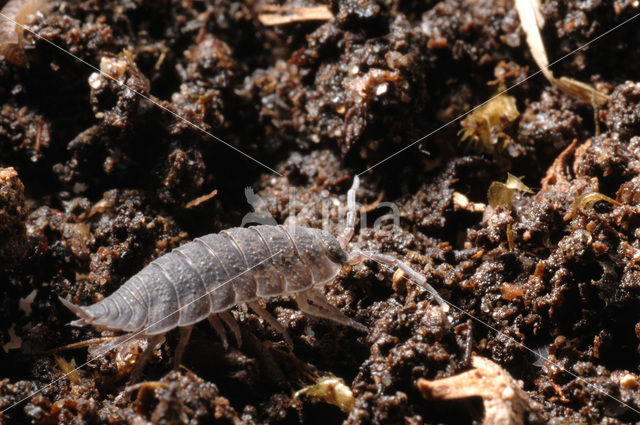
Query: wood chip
504, 400
201, 199
461, 202
287, 15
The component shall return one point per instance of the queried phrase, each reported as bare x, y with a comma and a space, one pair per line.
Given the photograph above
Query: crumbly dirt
96, 181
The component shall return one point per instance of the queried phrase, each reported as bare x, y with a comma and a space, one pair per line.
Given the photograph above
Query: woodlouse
16, 13
210, 275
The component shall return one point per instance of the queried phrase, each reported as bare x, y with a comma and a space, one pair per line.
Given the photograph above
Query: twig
287, 15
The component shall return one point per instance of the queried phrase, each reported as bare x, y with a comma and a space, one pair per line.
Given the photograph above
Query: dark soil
97, 182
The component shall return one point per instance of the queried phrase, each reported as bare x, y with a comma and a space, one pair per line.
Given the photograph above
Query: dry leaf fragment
488, 121
504, 400
582, 91
502, 193
69, 369
532, 22
586, 202
515, 183
287, 15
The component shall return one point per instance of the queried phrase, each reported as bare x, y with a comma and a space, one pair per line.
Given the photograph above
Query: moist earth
102, 175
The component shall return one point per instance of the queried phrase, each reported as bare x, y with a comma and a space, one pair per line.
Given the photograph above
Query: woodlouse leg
267, 317
352, 212
152, 343
359, 256
185, 335
231, 323
315, 304
217, 326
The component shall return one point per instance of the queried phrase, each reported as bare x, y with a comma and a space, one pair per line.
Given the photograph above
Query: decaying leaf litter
107, 180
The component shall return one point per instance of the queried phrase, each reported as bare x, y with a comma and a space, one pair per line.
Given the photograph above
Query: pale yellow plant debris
485, 124
68, 368
286, 15
201, 199
331, 390
502, 193
515, 183
586, 202
510, 242
532, 21
504, 400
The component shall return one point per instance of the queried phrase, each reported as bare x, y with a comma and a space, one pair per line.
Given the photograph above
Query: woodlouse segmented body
210, 275
215, 273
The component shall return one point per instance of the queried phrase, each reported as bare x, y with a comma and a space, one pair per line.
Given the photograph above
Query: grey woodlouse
210, 275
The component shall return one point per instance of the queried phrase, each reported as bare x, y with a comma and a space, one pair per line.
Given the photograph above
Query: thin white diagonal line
135, 334
500, 93
159, 105
368, 169
461, 310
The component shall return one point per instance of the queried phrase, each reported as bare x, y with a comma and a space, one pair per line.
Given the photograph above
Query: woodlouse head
331, 246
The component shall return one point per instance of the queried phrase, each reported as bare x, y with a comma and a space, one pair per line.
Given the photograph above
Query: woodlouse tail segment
84, 317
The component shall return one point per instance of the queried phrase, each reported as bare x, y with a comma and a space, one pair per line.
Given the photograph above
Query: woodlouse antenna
350, 225
387, 260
